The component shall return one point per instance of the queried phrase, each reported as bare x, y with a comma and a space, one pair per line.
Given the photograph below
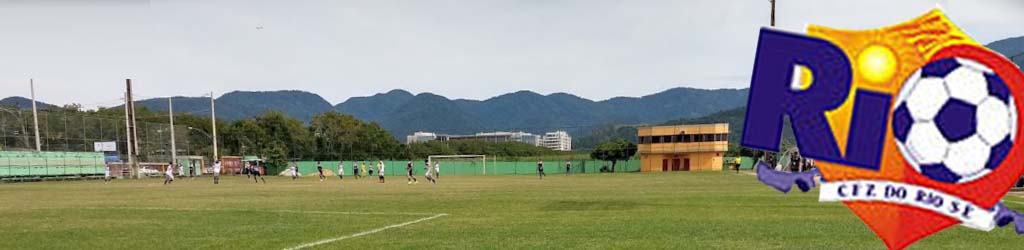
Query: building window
657, 139
677, 138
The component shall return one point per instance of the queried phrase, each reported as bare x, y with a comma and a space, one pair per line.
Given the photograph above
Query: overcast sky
81, 50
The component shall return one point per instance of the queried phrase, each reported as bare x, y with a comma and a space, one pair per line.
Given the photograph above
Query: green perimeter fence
17, 163
23, 163
466, 167
495, 167
746, 163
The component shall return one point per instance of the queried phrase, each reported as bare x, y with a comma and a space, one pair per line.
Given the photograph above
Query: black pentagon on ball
901, 122
939, 68
997, 88
998, 153
939, 172
956, 120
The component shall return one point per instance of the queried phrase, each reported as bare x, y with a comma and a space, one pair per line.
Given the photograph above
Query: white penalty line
325, 241
254, 210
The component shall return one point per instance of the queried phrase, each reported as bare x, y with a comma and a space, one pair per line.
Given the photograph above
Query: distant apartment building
558, 140
523, 137
419, 137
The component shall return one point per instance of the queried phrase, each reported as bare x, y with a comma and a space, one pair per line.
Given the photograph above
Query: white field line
325, 241
253, 210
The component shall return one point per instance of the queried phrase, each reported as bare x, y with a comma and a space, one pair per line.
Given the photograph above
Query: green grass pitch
710, 210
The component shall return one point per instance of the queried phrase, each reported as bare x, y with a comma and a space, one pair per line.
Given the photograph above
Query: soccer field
684, 210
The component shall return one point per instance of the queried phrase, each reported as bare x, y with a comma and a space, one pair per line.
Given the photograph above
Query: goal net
459, 164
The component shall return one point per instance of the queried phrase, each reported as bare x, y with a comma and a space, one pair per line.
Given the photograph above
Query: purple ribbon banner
784, 181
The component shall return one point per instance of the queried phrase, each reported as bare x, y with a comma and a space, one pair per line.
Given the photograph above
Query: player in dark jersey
355, 170
408, 175
320, 168
256, 176
540, 169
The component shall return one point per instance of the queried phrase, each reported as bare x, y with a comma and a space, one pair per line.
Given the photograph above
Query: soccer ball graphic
954, 120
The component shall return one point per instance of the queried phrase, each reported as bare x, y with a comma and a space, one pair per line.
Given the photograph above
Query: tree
340, 136
614, 151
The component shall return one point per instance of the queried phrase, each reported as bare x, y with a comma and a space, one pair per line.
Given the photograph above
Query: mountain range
403, 113
1012, 48
22, 103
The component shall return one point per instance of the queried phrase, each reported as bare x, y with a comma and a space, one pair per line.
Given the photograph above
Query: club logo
914, 126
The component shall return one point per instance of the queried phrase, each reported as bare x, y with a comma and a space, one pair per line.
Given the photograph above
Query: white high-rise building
420, 137
558, 140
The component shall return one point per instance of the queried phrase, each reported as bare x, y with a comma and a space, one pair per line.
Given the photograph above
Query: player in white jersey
437, 170
380, 171
106, 175
427, 174
169, 174
341, 170
216, 172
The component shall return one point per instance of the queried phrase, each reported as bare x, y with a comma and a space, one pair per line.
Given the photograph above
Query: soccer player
295, 170
255, 171
408, 174
355, 170
341, 170
248, 170
380, 171
737, 161
370, 169
106, 175
191, 171
568, 167
363, 169
216, 172
540, 169
169, 174
427, 174
437, 170
320, 168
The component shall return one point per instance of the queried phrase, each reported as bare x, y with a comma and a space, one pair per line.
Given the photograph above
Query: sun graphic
877, 64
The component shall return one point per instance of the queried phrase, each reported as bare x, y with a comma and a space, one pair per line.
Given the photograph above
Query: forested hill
1012, 48
402, 113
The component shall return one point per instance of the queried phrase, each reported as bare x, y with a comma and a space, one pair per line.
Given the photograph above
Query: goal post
471, 158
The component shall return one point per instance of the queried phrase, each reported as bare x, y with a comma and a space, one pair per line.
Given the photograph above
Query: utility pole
133, 145
170, 112
35, 114
213, 119
135, 125
128, 134
773, 12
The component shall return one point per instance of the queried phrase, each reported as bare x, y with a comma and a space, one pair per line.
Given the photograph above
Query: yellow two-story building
683, 147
